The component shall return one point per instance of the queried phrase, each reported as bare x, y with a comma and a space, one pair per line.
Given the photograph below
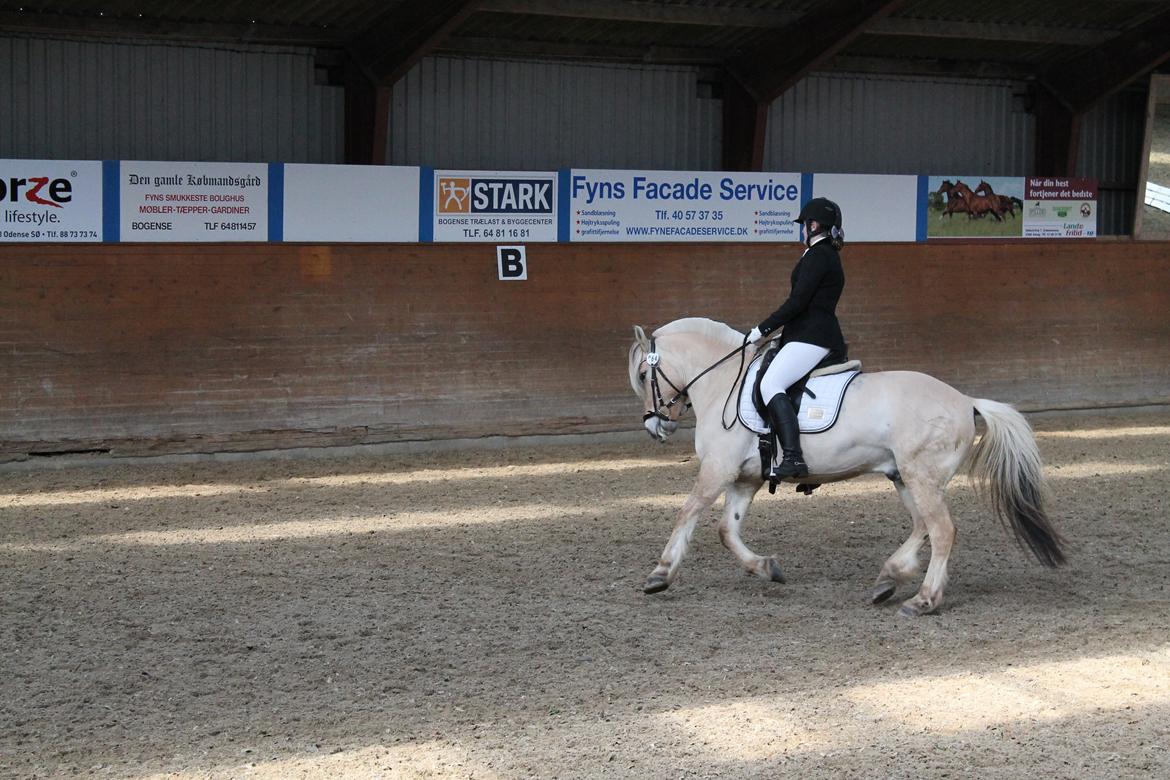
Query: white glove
754, 336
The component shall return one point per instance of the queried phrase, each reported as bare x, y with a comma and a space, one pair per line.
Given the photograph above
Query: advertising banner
975, 207
1060, 208
183, 201
495, 206
50, 201
360, 203
873, 207
608, 205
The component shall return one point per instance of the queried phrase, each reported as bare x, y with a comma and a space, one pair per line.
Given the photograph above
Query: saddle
829, 380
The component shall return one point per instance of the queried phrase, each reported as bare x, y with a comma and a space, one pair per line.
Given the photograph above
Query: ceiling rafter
1082, 81
409, 30
985, 31
405, 34
789, 53
763, 18
654, 54
622, 11
848, 63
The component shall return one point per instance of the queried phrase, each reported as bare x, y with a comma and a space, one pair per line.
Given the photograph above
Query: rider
811, 331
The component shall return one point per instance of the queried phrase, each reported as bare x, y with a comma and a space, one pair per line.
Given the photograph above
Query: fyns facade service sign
175, 201
495, 206
50, 200
607, 205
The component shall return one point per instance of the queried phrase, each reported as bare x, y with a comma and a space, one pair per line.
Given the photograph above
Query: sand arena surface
480, 615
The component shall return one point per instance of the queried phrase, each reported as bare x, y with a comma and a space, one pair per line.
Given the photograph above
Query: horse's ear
640, 337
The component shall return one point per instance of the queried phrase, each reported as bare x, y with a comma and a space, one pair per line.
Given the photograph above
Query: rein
653, 359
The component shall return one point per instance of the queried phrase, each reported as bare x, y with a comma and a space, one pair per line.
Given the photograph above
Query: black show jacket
810, 313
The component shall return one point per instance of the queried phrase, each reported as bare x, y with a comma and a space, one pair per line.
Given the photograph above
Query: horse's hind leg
706, 490
930, 504
903, 565
736, 502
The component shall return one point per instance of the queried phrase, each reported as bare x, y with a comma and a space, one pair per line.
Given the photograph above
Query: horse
978, 205
911, 427
1008, 204
954, 202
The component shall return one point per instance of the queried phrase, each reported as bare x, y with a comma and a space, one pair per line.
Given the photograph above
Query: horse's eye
642, 376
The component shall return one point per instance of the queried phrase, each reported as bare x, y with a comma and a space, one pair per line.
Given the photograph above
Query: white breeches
794, 361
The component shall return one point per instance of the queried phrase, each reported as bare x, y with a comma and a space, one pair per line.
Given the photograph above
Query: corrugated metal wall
869, 124
468, 113
139, 100
1112, 141
135, 100
839, 123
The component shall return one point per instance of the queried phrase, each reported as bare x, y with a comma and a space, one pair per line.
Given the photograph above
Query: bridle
662, 407
652, 359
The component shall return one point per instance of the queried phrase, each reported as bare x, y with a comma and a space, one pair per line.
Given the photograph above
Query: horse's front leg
736, 502
707, 488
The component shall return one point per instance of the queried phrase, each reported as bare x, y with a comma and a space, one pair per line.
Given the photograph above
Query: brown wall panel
216, 347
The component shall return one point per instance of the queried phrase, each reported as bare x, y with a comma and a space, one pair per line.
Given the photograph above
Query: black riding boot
784, 425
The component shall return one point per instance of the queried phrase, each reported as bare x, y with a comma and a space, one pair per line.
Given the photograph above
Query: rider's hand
754, 336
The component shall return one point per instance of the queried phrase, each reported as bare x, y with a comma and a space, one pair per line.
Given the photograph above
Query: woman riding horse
812, 333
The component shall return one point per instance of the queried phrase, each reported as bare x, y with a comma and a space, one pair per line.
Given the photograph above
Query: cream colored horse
908, 426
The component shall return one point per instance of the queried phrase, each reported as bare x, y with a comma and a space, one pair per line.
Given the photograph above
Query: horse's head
945, 187
665, 366
984, 188
650, 377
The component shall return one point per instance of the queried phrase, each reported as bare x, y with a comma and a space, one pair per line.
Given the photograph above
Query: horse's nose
651, 424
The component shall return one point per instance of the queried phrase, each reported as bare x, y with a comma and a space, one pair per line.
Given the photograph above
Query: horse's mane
702, 326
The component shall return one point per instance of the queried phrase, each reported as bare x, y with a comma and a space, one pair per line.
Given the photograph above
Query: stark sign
512, 264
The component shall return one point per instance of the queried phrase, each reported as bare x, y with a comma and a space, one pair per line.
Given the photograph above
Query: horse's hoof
882, 591
655, 584
912, 609
774, 572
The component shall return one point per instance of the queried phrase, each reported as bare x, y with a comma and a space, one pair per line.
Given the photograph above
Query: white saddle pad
816, 414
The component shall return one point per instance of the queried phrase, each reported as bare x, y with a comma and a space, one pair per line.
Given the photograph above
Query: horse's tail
1005, 465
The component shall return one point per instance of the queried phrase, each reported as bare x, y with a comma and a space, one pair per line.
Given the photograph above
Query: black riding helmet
823, 211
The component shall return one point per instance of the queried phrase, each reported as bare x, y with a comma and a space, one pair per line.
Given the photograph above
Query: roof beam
622, 11
745, 122
405, 34
1083, 81
111, 26
656, 55
919, 66
367, 118
982, 31
1058, 133
791, 52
